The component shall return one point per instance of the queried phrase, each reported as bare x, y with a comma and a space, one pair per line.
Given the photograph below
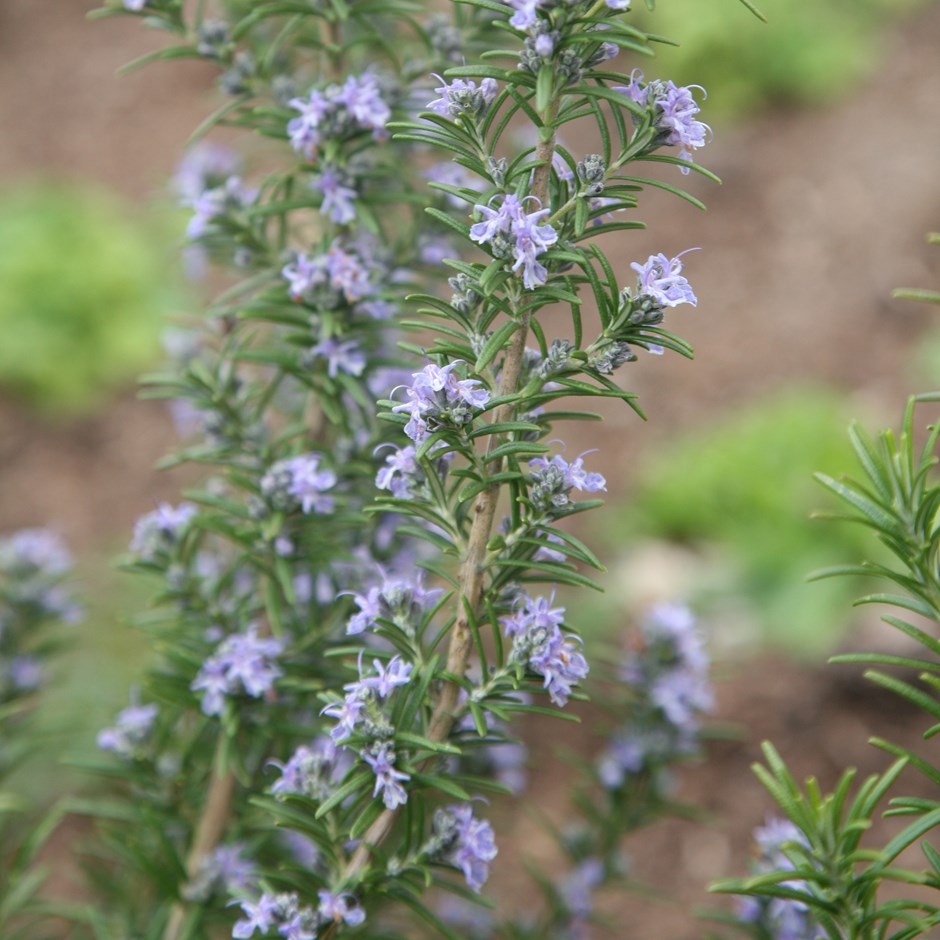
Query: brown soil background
821, 214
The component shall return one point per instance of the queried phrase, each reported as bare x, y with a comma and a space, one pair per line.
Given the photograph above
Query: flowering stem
209, 829
473, 568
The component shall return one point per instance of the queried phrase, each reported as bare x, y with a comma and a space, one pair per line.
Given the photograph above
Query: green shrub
83, 293
809, 51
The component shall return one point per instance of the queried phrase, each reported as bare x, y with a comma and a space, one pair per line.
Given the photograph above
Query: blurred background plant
812, 53
85, 290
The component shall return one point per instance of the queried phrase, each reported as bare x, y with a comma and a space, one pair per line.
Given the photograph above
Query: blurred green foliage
84, 290
743, 489
809, 50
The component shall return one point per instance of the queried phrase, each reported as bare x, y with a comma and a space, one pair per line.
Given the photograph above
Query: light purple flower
661, 279
618, 4
340, 908
399, 473
386, 678
225, 871
135, 5
438, 397
560, 664
35, 551
402, 601
158, 531
338, 198
533, 613
243, 662
205, 166
674, 111
510, 230
300, 481
470, 842
388, 780
213, 204
312, 770
25, 673
260, 915
553, 480
461, 97
131, 729
524, 17
348, 713
341, 356
577, 888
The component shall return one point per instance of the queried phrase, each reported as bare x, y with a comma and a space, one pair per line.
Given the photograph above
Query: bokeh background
827, 139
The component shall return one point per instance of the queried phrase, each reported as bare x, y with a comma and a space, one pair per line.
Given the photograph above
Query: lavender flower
400, 473
340, 908
242, 663
135, 5
539, 643
338, 198
660, 279
673, 109
462, 98
330, 279
29, 552
338, 111
223, 871
511, 231
578, 886
158, 532
437, 397
779, 918
553, 480
340, 356
261, 915
206, 166
312, 770
130, 731
525, 16
462, 840
403, 602
214, 204
388, 781
299, 481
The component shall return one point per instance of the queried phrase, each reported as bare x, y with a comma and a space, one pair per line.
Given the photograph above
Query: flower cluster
553, 480
299, 481
660, 282
403, 602
33, 565
439, 398
336, 112
538, 642
669, 675
131, 730
779, 918
511, 232
213, 205
461, 98
224, 871
242, 663
673, 108
293, 920
324, 281
312, 770
158, 532
462, 840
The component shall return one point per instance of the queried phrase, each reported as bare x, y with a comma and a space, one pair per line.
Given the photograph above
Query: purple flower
462, 98
673, 108
400, 472
135, 5
338, 111
466, 842
213, 204
260, 915
159, 531
35, 551
538, 641
225, 870
577, 888
205, 166
242, 662
299, 481
381, 758
524, 17
348, 714
386, 678
438, 397
533, 613
340, 356
618, 4
131, 729
402, 601
312, 770
510, 230
553, 480
340, 908
560, 664
338, 198
661, 279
